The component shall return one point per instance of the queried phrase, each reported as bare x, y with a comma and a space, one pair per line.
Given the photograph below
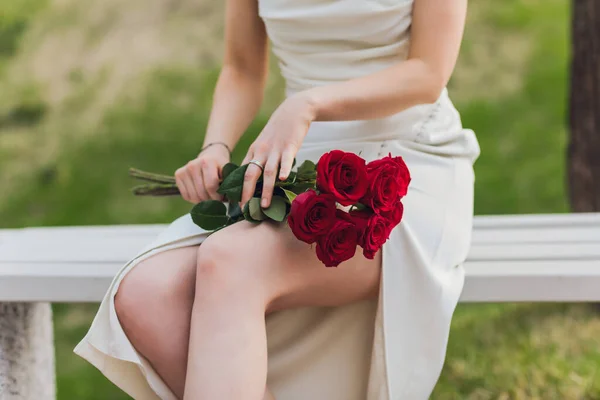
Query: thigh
290, 268
163, 276
154, 305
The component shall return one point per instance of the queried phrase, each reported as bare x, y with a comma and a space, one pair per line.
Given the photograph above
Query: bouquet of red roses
340, 203
373, 193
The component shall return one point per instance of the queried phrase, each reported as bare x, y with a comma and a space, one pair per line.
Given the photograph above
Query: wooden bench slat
535, 251
59, 248
588, 234
5, 234
536, 220
554, 268
62, 282
95, 229
514, 282
90, 243
552, 281
485, 282
513, 258
480, 235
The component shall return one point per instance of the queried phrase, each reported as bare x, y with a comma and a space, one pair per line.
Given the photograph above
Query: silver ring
257, 163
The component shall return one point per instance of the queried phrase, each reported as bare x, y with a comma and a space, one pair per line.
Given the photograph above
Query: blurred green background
89, 88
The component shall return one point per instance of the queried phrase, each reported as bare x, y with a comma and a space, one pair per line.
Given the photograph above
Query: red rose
383, 193
311, 215
361, 220
343, 175
373, 231
339, 244
394, 217
388, 182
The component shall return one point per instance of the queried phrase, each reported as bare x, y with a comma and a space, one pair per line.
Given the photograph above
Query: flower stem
162, 189
150, 177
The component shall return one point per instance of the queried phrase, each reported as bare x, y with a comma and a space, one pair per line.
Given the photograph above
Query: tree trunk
26, 352
584, 146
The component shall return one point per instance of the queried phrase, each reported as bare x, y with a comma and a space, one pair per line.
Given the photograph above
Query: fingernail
264, 202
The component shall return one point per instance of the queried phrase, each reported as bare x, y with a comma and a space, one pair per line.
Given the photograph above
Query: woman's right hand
199, 179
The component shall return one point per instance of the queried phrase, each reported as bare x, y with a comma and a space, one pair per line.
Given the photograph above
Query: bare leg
154, 305
243, 271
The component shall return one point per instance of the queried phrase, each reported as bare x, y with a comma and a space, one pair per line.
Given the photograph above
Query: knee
142, 296
134, 291
224, 270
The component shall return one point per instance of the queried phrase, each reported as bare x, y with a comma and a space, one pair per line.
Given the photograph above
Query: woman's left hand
276, 146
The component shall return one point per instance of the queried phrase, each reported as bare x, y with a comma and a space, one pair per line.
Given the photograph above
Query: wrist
310, 104
217, 148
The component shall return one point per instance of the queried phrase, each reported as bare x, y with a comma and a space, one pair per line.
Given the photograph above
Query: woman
186, 318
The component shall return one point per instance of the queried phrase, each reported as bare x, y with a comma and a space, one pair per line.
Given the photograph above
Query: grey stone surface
26, 352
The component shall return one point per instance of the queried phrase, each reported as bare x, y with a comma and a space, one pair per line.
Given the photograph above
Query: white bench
513, 258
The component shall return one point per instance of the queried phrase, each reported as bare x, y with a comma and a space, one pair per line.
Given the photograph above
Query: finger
249, 156
269, 176
287, 160
190, 186
180, 185
253, 172
198, 183
210, 176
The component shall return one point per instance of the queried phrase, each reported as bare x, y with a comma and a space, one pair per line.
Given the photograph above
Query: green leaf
291, 179
231, 187
209, 214
254, 209
359, 206
302, 187
307, 170
289, 195
277, 210
234, 211
228, 169
247, 215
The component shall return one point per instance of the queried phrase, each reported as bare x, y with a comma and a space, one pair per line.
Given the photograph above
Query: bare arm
236, 101
436, 33
239, 91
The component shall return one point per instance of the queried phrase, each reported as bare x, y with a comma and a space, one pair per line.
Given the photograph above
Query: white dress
389, 349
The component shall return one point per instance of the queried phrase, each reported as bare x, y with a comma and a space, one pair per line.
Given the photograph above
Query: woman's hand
199, 179
276, 146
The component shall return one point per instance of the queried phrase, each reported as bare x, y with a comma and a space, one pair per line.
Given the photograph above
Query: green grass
512, 351
513, 95
87, 183
14, 20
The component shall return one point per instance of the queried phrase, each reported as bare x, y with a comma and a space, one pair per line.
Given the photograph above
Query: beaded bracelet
213, 143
